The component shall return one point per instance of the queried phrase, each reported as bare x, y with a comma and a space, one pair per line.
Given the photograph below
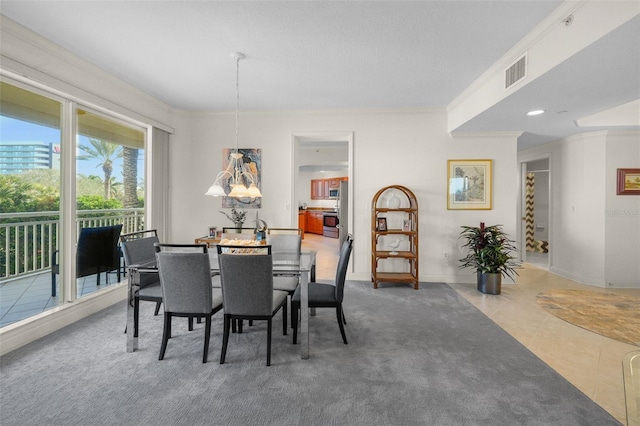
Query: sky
20, 131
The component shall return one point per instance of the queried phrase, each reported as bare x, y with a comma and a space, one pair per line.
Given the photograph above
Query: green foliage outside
39, 191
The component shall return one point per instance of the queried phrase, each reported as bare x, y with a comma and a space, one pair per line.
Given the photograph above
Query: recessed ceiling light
536, 112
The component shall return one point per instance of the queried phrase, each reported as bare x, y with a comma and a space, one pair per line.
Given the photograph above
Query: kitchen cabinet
315, 221
320, 187
394, 236
302, 221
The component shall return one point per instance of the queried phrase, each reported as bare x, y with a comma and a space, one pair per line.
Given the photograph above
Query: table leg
132, 340
304, 316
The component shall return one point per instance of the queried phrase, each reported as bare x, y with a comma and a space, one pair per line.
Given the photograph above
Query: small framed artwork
628, 182
382, 224
406, 225
469, 185
212, 231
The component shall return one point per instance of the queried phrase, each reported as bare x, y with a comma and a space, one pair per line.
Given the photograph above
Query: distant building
19, 157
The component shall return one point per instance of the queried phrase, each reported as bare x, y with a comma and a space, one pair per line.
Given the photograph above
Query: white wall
407, 147
595, 235
621, 214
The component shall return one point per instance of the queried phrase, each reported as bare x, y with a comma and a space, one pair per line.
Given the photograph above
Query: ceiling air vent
516, 72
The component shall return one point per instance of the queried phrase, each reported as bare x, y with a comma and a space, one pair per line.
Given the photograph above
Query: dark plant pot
489, 283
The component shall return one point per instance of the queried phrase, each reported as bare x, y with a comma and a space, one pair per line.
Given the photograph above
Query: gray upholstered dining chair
185, 278
284, 231
247, 292
286, 242
137, 248
326, 295
289, 243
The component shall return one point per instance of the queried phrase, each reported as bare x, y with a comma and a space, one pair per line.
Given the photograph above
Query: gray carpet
424, 357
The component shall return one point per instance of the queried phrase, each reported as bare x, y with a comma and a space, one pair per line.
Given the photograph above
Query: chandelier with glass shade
241, 180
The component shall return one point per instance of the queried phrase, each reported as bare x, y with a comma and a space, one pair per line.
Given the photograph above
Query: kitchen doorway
330, 152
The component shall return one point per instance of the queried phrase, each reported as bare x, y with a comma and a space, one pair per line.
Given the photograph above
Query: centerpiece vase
239, 224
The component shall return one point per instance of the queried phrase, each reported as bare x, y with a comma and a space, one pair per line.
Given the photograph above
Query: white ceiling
337, 54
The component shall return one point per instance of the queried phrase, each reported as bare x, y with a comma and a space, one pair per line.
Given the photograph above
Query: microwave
334, 193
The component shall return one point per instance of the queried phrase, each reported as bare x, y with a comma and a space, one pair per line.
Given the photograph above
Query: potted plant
489, 253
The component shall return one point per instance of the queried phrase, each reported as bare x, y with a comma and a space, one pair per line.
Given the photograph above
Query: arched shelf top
411, 198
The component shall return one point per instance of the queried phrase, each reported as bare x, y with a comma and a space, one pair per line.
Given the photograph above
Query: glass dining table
302, 265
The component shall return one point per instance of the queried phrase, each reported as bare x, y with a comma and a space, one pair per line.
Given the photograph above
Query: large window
63, 168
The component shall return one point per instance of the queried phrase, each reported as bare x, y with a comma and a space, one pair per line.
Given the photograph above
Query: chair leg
207, 336
284, 318
190, 323
225, 338
339, 315
157, 308
294, 321
136, 313
269, 342
165, 335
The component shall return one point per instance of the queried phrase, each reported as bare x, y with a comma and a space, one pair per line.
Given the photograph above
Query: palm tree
130, 177
106, 152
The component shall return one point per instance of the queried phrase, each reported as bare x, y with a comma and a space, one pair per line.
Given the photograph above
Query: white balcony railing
27, 240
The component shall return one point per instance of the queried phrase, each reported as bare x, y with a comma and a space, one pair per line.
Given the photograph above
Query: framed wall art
252, 161
628, 182
469, 185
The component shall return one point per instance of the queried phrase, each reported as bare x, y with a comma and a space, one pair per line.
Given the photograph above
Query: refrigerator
342, 208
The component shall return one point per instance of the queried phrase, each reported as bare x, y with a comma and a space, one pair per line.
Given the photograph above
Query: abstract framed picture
628, 182
469, 184
252, 162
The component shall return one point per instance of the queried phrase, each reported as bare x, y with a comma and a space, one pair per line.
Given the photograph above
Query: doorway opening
536, 186
323, 152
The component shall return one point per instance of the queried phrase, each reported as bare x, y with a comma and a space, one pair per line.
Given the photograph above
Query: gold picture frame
469, 184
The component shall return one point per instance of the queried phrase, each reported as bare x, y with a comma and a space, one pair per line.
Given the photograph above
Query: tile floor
27, 296
591, 362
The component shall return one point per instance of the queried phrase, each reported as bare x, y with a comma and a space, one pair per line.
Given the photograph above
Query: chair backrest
285, 243
185, 277
286, 231
247, 284
137, 247
98, 250
181, 248
226, 230
343, 262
